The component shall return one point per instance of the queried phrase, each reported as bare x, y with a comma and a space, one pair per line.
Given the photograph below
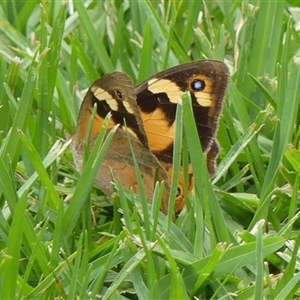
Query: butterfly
146, 114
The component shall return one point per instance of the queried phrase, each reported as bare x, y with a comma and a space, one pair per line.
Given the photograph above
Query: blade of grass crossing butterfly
88, 176
143, 196
89, 130
176, 162
203, 186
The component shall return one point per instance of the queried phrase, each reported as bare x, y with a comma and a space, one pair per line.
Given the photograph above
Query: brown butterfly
149, 114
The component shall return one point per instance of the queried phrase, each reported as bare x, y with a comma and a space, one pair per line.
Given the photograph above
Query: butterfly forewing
114, 93
157, 99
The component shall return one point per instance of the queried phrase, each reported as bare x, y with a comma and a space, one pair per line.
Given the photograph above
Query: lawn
238, 235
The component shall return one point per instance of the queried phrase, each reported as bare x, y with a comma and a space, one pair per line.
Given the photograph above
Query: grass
237, 238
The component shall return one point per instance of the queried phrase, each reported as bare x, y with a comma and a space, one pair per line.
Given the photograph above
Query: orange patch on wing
83, 124
159, 132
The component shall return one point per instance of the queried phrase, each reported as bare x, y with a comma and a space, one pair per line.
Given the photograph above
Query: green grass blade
86, 181
9, 284
202, 181
40, 169
22, 116
94, 38
287, 112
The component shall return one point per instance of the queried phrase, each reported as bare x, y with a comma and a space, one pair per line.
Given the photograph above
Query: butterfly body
146, 116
